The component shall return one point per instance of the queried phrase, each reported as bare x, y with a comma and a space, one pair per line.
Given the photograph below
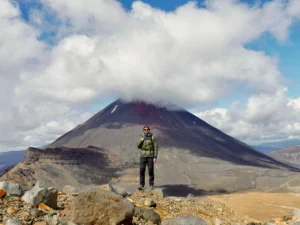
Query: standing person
148, 157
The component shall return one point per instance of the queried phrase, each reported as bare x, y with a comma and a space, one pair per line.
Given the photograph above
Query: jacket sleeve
140, 144
155, 147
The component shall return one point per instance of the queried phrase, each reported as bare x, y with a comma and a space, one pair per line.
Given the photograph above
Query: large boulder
34, 196
147, 214
100, 207
12, 188
40, 193
184, 220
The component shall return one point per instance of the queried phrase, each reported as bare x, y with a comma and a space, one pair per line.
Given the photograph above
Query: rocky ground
110, 204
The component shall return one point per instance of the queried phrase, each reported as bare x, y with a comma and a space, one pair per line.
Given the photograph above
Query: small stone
26, 216
53, 220
61, 205
42, 206
2, 193
70, 191
190, 195
218, 221
35, 213
277, 220
11, 210
11, 221
147, 214
18, 199
41, 223
149, 203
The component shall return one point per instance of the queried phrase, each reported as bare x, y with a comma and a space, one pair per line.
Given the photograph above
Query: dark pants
150, 164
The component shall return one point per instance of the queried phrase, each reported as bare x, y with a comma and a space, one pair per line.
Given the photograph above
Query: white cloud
190, 56
264, 118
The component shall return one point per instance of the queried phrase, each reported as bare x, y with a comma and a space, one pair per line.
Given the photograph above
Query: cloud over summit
190, 56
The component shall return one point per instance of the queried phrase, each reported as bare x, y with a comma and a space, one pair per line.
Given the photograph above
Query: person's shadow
181, 190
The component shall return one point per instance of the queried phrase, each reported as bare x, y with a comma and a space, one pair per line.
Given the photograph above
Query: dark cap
146, 127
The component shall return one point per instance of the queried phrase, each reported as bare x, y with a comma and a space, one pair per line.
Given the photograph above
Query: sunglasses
146, 129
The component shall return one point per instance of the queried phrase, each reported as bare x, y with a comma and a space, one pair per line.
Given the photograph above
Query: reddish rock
42, 206
2, 193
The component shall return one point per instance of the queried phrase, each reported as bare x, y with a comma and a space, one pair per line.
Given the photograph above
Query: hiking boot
141, 188
151, 187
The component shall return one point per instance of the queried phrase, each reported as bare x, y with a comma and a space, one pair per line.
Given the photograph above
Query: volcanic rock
2, 193
12, 188
101, 207
147, 214
40, 193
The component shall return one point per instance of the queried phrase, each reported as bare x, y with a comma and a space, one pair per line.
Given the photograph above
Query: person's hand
154, 160
142, 139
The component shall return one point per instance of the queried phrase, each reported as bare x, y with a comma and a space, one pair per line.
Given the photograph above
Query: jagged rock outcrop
80, 167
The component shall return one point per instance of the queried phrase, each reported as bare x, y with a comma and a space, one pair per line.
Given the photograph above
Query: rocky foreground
113, 205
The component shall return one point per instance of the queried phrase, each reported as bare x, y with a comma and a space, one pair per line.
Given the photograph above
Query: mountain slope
193, 156
119, 126
289, 155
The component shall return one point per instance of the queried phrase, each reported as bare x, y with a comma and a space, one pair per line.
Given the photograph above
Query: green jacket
148, 146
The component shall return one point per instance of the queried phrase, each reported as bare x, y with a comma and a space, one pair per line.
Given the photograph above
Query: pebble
41, 223
11, 210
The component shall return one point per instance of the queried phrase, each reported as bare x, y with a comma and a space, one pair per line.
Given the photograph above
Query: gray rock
12, 188
190, 195
34, 196
292, 215
105, 208
118, 189
35, 213
149, 203
147, 214
66, 222
50, 198
11, 221
40, 184
69, 190
53, 220
184, 220
40, 193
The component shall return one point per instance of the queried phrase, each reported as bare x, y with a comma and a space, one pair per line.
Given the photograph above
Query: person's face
146, 130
